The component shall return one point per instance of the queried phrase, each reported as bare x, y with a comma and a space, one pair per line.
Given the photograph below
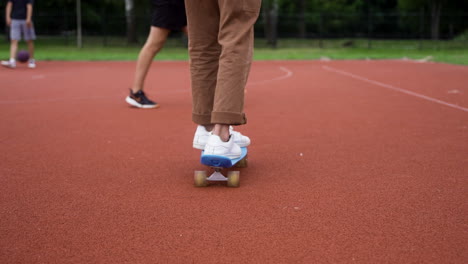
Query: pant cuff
228, 118
201, 119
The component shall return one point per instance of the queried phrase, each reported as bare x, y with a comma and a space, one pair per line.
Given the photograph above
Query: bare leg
13, 48
153, 45
222, 131
209, 127
31, 49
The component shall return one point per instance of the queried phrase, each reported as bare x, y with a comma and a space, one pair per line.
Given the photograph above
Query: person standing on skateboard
221, 48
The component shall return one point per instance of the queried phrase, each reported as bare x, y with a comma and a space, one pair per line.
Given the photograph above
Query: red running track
351, 161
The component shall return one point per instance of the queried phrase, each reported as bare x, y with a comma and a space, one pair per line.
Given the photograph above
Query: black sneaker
140, 100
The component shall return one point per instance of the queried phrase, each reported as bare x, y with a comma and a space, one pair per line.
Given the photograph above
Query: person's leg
222, 131
15, 37
13, 48
204, 50
32, 61
155, 42
203, 31
236, 39
153, 45
29, 37
31, 48
11, 63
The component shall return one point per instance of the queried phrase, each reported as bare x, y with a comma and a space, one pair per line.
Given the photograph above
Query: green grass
447, 56
287, 49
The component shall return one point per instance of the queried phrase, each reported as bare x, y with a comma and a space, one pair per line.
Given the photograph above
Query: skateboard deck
218, 163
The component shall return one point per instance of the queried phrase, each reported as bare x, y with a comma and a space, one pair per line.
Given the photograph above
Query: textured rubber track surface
342, 168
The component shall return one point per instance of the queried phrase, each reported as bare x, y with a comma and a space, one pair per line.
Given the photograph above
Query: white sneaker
32, 64
202, 135
239, 139
200, 138
215, 146
9, 64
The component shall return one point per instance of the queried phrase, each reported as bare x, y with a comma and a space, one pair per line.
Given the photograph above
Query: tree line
432, 9
304, 12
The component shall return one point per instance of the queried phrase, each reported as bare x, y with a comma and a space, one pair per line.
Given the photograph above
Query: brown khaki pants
221, 48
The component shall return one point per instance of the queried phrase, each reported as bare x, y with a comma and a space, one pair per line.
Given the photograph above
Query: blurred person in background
167, 15
18, 17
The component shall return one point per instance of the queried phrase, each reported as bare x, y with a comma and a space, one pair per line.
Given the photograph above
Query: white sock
12, 60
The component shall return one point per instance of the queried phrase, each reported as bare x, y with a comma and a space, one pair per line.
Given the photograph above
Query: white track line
60, 99
288, 74
391, 87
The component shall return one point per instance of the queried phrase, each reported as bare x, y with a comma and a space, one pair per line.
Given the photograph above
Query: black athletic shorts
169, 14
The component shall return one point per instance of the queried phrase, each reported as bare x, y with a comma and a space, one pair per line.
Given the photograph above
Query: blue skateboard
218, 163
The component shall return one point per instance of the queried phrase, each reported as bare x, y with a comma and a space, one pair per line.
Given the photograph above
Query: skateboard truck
201, 179
217, 175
